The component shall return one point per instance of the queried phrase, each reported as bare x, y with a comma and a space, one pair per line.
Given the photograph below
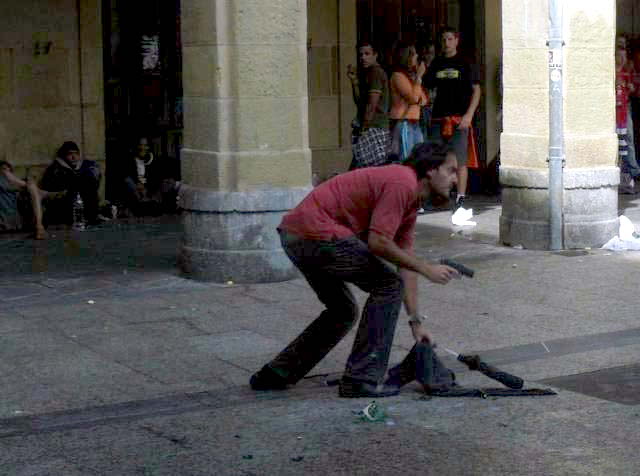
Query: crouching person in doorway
339, 234
69, 174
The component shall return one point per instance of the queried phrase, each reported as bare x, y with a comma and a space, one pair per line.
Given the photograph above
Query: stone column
91, 83
246, 157
591, 176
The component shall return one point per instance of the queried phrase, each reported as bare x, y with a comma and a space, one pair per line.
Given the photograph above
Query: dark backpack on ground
424, 365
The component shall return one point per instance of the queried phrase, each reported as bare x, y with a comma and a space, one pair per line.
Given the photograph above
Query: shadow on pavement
150, 244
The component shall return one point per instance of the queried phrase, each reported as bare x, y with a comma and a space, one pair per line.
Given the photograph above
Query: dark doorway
417, 21
385, 22
143, 81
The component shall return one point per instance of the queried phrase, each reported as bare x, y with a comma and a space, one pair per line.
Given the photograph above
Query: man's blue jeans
328, 266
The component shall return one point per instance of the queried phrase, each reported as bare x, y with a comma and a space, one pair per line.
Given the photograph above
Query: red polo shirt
380, 199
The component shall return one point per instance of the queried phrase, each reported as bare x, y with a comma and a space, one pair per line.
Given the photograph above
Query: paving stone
617, 384
235, 344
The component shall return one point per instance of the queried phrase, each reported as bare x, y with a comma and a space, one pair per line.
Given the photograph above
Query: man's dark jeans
328, 266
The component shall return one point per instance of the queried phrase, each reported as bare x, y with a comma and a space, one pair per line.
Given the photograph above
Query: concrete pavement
113, 363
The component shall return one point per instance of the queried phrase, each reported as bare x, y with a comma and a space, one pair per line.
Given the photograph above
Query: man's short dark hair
370, 44
4, 162
450, 29
425, 157
67, 147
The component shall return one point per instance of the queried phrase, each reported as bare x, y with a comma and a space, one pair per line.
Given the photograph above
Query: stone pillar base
590, 207
231, 236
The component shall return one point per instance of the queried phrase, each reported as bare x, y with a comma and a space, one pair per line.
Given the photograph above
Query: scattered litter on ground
514, 265
462, 217
297, 458
229, 283
247, 456
518, 247
626, 240
371, 413
91, 301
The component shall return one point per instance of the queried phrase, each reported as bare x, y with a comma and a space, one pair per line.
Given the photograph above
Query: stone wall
51, 82
332, 36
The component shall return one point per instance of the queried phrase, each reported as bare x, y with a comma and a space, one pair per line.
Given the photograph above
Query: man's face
73, 158
4, 168
368, 57
449, 43
440, 181
143, 148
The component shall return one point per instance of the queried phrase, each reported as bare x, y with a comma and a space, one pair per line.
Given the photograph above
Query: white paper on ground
462, 217
626, 229
626, 239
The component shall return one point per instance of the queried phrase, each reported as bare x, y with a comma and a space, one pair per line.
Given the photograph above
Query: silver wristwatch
417, 318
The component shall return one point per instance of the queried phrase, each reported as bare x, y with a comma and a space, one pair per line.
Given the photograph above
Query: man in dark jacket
149, 184
71, 173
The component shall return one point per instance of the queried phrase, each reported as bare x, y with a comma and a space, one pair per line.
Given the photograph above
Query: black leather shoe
350, 388
267, 379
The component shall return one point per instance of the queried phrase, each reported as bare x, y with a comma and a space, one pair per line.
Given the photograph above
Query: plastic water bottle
78, 213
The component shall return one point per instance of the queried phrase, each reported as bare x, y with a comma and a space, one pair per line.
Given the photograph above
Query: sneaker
459, 203
627, 184
352, 388
267, 379
421, 211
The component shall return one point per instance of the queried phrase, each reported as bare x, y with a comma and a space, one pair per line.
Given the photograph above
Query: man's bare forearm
13, 180
386, 248
475, 100
410, 280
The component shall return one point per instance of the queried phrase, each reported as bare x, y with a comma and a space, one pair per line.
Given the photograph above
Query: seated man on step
20, 202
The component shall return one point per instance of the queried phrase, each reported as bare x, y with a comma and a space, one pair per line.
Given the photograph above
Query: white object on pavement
627, 238
462, 217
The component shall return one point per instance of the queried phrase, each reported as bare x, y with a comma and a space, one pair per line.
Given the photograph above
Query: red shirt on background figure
624, 86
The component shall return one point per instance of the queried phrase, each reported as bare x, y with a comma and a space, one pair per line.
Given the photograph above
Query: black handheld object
460, 268
475, 363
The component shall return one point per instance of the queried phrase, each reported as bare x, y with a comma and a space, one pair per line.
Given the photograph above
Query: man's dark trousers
328, 266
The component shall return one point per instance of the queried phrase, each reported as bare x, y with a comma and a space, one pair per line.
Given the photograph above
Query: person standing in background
407, 98
458, 95
629, 169
371, 137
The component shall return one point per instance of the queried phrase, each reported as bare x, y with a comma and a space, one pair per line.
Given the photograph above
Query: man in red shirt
338, 234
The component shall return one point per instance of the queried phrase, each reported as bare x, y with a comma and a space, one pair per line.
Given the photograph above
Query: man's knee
347, 308
344, 312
